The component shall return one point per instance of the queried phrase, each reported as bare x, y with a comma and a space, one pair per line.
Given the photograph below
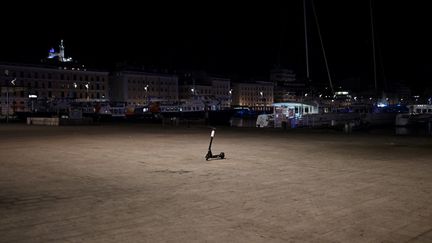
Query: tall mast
306, 41
373, 45
322, 47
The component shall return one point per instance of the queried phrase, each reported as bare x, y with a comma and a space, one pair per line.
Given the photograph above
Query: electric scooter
209, 154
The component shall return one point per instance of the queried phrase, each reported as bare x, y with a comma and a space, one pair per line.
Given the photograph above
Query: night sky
245, 40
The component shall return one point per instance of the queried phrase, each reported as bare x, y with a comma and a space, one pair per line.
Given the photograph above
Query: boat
419, 115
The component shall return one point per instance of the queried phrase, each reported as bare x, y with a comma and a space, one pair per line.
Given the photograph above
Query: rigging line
281, 33
381, 62
322, 46
306, 41
373, 45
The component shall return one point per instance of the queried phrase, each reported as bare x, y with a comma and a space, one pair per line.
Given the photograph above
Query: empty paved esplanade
147, 183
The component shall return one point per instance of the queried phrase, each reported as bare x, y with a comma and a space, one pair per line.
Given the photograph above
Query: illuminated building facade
213, 90
136, 88
257, 95
49, 83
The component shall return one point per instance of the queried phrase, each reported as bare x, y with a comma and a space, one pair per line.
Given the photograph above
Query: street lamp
7, 95
7, 99
32, 97
87, 87
230, 97
146, 93
75, 96
262, 98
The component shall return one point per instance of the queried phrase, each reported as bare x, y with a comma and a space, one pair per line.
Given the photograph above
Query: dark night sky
243, 39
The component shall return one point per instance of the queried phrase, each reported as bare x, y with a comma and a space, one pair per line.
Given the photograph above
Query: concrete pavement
145, 183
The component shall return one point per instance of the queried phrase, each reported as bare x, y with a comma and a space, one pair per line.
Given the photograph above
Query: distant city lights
342, 93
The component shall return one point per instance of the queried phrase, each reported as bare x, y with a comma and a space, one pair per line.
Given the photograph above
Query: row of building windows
255, 94
143, 87
41, 84
255, 98
187, 90
141, 98
82, 78
256, 88
226, 87
62, 94
83, 86
152, 90
36, 75
147, 82
13, 102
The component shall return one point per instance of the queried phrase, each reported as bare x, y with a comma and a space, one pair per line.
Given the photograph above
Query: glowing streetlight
87, 87
7, 98
6, 72
32, 97
262, 98
146, 92
230, 97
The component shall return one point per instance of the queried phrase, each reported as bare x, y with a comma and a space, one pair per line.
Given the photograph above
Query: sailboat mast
373, 46
306, 41
322, 47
